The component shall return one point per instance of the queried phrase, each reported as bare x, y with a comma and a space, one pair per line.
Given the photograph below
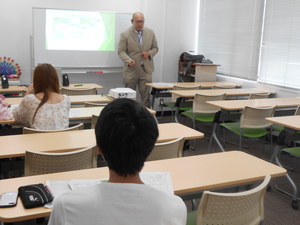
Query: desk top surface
233, 92
84, 86
215, 170
165, 85
79, 113
17, 88
16, 145
205, 64
13, 88
240, 104
75, 99
292, 122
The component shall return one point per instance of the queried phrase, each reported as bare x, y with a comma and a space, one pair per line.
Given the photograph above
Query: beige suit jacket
129, 49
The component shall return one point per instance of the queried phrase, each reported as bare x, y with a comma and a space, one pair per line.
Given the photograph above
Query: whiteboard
78, 57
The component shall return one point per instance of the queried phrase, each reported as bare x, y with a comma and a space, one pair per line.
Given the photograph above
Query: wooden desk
237, 168
12, 89
240, 104
228, 105
205, 72
84, 86
183, 94
79, 114
75, 99
158, 88
16, 145
229, 92
164, 85
287, 136
20, 89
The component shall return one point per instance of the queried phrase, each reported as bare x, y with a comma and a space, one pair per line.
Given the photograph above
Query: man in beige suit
137, 48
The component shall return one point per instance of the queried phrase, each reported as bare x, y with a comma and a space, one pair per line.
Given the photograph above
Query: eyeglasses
139, 21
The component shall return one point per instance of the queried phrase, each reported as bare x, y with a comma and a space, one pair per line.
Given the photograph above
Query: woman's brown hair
45, 80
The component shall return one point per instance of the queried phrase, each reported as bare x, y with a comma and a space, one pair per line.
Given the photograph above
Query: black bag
34, 195
187, 57
190, 59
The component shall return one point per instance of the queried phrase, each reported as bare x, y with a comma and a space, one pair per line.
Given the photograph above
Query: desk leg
153, 95
215, 138
176, 114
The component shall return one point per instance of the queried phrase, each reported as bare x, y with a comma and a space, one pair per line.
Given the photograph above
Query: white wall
172, 20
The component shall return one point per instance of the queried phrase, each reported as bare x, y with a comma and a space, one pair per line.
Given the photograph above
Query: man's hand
131, 63
145, 55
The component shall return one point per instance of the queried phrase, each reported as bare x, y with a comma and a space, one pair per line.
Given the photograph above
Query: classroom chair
167, 150
45, 162
27, 130
245, 208
259, 96
202, 111
252, 123
182, 105
67, 91
226, 87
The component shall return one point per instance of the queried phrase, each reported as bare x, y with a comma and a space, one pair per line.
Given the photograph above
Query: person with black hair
125, 133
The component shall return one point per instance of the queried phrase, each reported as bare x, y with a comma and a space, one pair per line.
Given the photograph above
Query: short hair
136, 13
126, 133
45, 80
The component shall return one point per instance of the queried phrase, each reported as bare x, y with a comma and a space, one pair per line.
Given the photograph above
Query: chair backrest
224, 86
177, 87
233, 208
94, 121
93, 104
200, 105
42, 163
297, 112
256, 117
27, 130
67, 91
167, 150
259, 96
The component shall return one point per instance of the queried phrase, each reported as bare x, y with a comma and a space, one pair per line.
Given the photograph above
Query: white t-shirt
48, 117
118, 204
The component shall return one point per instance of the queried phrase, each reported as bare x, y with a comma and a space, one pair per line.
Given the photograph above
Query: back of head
126, 133
45, 79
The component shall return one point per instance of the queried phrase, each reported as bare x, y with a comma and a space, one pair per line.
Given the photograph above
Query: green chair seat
202, 117
293, 151
247, 132
277, 128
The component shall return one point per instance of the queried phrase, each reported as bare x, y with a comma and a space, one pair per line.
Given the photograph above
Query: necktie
139, 36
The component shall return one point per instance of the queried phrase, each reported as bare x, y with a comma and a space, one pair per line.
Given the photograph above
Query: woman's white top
48, 117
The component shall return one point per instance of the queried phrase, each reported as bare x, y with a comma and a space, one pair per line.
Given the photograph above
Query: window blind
280, 51
230, 35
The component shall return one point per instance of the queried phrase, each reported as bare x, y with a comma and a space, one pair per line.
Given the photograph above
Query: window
230, 35
280, 51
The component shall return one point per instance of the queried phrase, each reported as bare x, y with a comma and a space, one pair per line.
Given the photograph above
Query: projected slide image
80, 30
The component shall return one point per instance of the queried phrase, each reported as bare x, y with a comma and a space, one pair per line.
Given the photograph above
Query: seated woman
43, 107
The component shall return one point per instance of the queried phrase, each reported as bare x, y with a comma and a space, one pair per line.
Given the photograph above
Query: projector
122, 93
